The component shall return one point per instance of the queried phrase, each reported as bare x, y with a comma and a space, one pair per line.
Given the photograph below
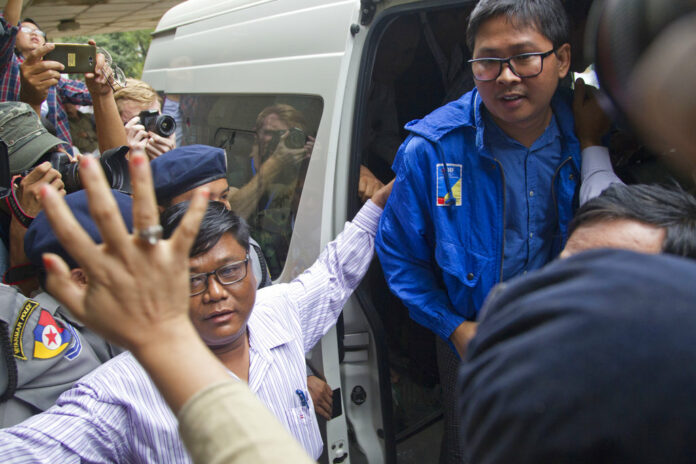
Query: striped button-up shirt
116, 414
66, 91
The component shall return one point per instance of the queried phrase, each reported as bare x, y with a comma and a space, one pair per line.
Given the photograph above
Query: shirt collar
497, 137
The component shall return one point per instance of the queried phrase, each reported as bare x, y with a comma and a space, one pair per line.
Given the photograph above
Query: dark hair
29, 20
670, 208
548, 17
217, 221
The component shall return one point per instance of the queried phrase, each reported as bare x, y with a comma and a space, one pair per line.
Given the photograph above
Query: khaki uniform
45, 350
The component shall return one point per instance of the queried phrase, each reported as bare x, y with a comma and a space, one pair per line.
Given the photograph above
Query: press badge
454, 174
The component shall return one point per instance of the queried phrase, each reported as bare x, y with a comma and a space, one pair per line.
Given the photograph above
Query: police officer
179, 172
44, 349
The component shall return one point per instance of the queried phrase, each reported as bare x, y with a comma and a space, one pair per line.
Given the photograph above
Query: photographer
17, 41
151, 133
29, 145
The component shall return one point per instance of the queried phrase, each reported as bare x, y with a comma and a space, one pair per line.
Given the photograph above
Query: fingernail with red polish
47, 262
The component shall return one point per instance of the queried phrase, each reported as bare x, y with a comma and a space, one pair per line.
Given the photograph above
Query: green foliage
128, 49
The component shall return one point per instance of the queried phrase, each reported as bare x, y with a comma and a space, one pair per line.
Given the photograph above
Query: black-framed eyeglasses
523, 65
228, 274
31, 30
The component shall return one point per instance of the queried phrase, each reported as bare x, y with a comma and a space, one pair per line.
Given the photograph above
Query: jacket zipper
502, 249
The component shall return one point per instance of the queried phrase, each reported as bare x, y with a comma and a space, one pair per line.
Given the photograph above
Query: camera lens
296, 138
165, 125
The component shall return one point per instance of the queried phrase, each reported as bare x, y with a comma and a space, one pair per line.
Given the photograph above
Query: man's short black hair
548, 17
29, 20
217, 221
669, 208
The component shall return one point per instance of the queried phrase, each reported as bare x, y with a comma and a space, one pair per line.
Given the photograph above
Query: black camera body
296, 138
161, 124
112, 161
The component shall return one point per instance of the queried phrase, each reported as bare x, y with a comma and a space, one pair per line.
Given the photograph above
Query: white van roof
196, 10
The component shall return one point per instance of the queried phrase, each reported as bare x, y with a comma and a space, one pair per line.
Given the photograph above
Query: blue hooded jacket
442, 256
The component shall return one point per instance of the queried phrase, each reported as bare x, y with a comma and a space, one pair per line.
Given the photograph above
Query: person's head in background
178, 174
29, 37
643, 218
146, 135
135, 97
41, 239
276, 120
397, 48
517, 94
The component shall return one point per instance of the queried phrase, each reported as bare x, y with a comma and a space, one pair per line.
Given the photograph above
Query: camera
112, 161
161, 124
296, 138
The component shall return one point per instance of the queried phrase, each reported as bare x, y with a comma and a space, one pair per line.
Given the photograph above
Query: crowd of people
139, 321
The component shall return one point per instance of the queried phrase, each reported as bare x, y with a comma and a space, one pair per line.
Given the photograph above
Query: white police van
352, 72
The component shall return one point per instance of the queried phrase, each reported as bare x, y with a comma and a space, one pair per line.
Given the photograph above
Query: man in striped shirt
116, 414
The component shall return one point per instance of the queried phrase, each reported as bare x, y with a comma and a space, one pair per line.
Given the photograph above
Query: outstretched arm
13, 12
110, 130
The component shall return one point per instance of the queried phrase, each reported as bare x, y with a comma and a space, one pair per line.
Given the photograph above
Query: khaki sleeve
226, 423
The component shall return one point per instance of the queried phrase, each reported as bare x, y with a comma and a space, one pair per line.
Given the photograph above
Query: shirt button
531, 235
470, 276
531, 193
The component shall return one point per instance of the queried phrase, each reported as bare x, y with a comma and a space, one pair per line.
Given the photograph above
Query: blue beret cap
186, 168
40, 238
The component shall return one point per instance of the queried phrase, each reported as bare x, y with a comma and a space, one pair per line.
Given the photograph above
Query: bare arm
13, 11
110, 130
28, 196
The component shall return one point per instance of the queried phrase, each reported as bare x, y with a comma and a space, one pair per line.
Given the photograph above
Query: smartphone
77, 58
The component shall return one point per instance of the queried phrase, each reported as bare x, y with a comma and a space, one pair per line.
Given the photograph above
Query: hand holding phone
77, 58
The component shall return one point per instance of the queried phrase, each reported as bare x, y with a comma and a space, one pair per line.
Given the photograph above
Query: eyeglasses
115, 76
31, 30
227, 275
523, 65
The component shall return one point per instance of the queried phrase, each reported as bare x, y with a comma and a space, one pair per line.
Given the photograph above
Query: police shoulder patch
18, 331
51, 337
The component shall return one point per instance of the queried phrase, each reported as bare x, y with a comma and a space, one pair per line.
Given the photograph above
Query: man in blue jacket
485, 185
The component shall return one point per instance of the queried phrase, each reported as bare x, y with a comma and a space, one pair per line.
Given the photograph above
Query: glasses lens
119, 77
232, 273
107, 55
198, 284
526, 65
485, 70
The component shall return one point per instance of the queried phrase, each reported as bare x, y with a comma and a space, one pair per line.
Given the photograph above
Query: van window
269, 141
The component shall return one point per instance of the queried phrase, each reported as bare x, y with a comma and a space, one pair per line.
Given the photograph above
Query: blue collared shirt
529, 206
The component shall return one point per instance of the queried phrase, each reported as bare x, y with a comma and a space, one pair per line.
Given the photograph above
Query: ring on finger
150, 235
